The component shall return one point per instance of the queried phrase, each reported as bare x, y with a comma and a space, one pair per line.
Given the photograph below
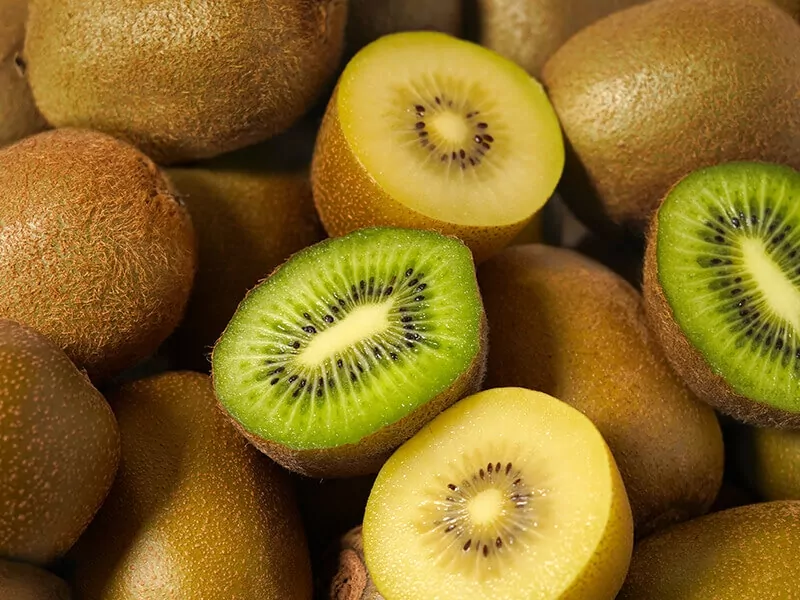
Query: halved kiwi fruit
509, 494
350, 347
428, 131
722, 288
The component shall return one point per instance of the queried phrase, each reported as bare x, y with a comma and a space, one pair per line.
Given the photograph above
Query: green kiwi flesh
723, 287
350, 336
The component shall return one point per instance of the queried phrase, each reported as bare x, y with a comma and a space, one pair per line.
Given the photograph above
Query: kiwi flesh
509, 494
59, 448
720, 84
96, 251
195, 512
452, 138
721, 288
20, 581
748, 552
251, 210
350, 347
768, 461
18, 114
152, 74
564, 324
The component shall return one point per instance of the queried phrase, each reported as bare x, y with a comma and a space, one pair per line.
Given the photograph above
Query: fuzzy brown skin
690, 364
352, 581
182, 80
643, 104
768, 461
790, 6
19, 581
530, 31
18, 114
249, 218
743, 553
96, 252
371, 452
195, 511
566, 325
59, 448
348, 198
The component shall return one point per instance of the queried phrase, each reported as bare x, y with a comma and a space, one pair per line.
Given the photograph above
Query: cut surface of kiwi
724, 266
453, 137
349, 343
509, 494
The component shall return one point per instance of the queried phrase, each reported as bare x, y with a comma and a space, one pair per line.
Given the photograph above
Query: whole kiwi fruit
182, 81
59, 448
20, 581
643, 104
96, 253
18, 114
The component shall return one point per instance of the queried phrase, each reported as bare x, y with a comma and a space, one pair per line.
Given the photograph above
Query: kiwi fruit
20, 581
195, 512
508, 494
768, 461
744, 553
18, 114
790, 6
721, 288
352, 580
643, 105
96, 251
530, 31
564, 324
251, 211
624, 256
59, 448
350, 347
431, 132
152, 74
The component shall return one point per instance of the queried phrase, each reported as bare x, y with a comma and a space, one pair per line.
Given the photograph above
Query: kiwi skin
108, 274
59, 448
18, 114
690, 364
720, 84
158, 78
352, 580
767, 460
19, 581
593, 350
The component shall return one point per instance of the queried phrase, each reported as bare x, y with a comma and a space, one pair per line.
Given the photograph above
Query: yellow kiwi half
510, 494
431, 132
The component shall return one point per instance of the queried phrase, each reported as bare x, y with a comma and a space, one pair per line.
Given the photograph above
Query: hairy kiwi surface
181, 80
95, 252
452, 138
642, 105
722, 288
352, 580
350, 347
59, 448
18, 114
767, 460
20, 581
508, 494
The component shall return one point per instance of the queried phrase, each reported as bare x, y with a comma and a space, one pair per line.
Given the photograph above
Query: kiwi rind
767, 461
182, 82
20, 581
352, 580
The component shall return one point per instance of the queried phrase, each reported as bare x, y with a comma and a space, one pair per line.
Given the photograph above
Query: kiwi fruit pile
399, 300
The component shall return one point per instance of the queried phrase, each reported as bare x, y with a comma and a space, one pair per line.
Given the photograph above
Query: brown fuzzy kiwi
19, 581
18, 114
352, 580
251, 211
643, 104
790, 6
566, 325
182, 81
529, 32
96, 252
59, 448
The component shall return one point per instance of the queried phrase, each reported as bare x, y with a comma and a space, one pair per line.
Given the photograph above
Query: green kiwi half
350, 347
722, 288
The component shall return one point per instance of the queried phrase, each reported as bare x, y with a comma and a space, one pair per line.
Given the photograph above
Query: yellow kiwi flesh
768, 460
643, 105
472, 151
509, 494
195, 512
182, 81
564, 324
96, 251
18, 114
20, 581
749, 552
59, 448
